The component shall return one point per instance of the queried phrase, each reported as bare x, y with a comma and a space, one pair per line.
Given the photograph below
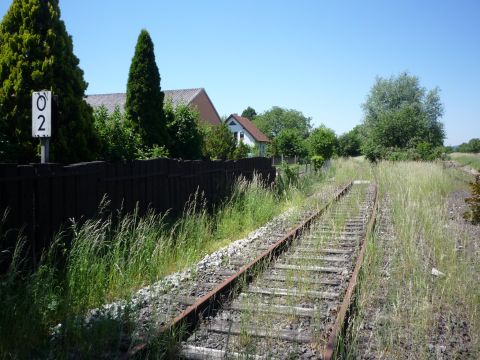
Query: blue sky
319, 57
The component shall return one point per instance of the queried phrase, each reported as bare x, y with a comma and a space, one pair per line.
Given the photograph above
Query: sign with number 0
42, 114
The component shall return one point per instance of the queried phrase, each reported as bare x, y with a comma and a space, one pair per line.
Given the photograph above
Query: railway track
291, 301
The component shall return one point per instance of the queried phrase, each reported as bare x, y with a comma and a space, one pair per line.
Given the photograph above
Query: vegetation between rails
419, 308
112, 256
296, 283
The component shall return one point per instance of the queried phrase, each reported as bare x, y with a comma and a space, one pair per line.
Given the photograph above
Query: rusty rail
344, 308
188, 319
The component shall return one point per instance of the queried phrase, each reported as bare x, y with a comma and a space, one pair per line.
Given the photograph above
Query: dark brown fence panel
43, 195
26, 200
42, 198
12, 202
162, 187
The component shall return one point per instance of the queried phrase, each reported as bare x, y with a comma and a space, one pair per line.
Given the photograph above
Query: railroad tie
309, 268
203, 353
273, 308
229, 327
293, 292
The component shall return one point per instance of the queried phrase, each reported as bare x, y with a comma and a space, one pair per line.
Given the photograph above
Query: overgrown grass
419, 308
472, 160
113, 255
342, 170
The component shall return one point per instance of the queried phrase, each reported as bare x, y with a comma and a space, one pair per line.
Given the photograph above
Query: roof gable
182, 96
206, 108
250, 127
197, 97
110, 101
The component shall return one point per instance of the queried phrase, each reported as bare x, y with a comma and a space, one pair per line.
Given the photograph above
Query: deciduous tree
399, 115
249, 113
349, 144
289, 142
273, 121
322, 141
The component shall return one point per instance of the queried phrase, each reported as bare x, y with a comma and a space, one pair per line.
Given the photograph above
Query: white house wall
248, 139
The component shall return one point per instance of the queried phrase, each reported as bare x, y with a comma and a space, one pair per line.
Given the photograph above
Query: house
196, 98
244, 130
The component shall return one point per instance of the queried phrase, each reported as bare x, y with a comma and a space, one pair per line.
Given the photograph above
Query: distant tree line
401, 122
472, 146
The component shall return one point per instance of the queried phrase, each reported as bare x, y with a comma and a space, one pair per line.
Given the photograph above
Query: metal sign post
44, 150
42, 121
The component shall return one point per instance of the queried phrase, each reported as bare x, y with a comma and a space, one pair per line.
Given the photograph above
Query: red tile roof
251, 128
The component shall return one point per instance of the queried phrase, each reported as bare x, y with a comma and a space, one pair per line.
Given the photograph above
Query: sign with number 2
42, 114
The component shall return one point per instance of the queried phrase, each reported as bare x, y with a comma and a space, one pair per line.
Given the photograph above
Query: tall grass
342, 170
113, 255
472, 160
417, 304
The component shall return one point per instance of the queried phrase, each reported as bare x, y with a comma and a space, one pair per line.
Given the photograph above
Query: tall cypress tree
144, 105
36, 53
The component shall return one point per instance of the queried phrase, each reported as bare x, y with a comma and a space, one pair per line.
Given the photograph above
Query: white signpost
42, 120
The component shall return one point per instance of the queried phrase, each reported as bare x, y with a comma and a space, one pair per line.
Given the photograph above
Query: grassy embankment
112, 257
418, 309
472, 160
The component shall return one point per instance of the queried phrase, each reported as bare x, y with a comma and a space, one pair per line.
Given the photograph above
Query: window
242, 135
232, 123
235, 135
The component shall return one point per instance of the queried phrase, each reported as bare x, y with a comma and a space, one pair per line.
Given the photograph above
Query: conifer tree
144, 105
36, 53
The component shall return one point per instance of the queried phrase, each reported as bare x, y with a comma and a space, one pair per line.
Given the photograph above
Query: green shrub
119, 140
153, 152
241, 151
185, 134
422, 151
317, 162
288, 176
219, 142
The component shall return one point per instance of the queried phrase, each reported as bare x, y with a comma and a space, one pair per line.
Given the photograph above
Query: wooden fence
41, 198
